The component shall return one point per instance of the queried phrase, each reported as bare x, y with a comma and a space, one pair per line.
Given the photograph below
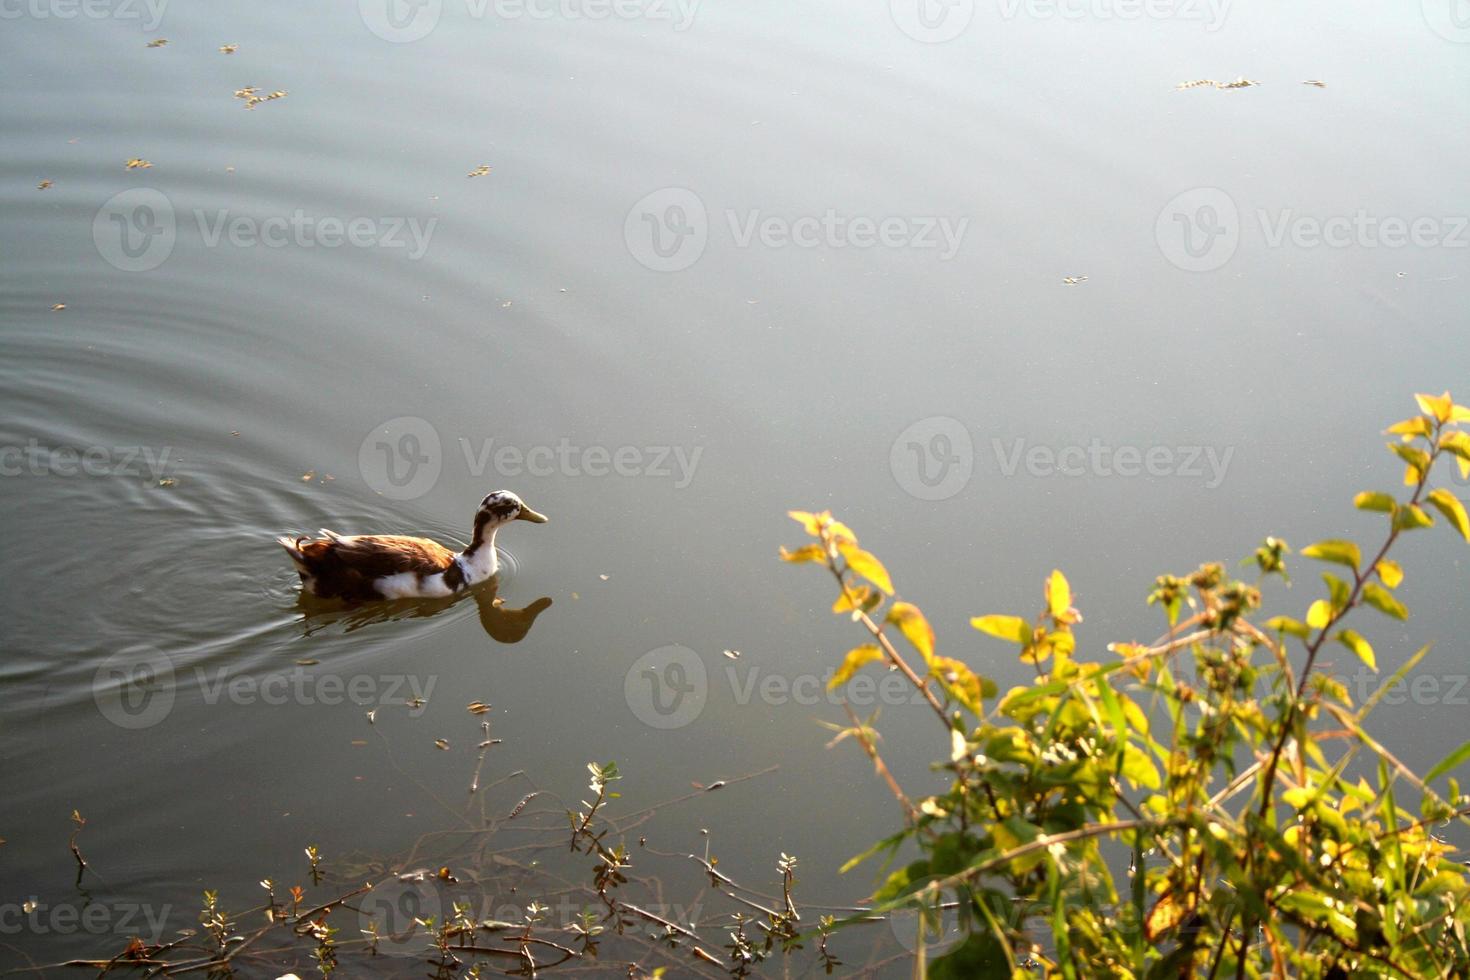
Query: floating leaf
43, 185
1449, 505
479, 171
57, 307
158, 42
856, 659
915, 628
228, 48
1375, 501
477, 707
1341, 552
442, 743
1012, 628
1381, 599
138, 163
1355, 642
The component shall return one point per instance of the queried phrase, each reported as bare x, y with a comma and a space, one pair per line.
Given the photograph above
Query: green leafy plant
1263, 828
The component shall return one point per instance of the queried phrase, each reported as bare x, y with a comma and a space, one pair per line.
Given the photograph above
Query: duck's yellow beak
527, 514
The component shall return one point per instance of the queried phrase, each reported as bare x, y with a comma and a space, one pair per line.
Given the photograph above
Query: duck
361, 567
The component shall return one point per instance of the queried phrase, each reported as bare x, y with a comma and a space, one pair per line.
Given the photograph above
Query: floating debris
733, 654
478, 707
603, 577
1074, 280
168, 481
252, 97
515, 811
158, 43
228, 48
372, 716
43, 185
138, 163
479, 171
57, 307
308, 476
1241, 82
416, 702
307, 662
442, 743
1313, 82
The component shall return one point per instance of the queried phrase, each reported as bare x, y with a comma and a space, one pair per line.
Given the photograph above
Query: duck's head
501, 507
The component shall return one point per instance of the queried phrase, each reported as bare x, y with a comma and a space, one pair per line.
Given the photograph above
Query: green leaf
1374, 500
1319, 614
1139, 768
1455, 758
1415, 457
1285, 624
1338, 592
1355, 642
915, 628
1012, 628
866, 565
855, 660
1341, 552
1381, 599
1449, 505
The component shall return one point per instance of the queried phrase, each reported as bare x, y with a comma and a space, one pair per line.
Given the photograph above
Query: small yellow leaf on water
479, 171
1315, 83
307, 662
158, 43
478, 707
442, 743
57, 307
308, 476
138, 163
228, 48
43, 185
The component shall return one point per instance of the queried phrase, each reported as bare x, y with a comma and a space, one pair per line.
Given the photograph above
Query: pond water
979, 278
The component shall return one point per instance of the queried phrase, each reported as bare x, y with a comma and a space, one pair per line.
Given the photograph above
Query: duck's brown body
355, 568
393, 566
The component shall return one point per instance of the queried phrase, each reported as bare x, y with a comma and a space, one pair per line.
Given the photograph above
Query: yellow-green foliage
1263, 826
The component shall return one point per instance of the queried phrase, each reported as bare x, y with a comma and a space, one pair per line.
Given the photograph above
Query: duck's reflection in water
502, 624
